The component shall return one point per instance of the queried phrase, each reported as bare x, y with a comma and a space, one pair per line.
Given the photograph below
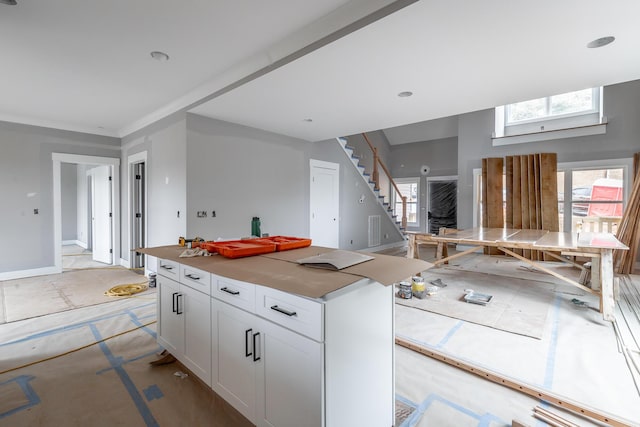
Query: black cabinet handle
283, 311
191, 276
174, 302
166, 267
178, 300
255, 351
247, 333
229, 291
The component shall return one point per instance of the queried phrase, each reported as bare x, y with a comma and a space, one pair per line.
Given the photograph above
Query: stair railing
375, 177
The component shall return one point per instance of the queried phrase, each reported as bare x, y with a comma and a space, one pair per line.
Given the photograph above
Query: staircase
349, 151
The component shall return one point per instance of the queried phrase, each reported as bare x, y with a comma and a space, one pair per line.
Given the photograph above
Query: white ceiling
85, 66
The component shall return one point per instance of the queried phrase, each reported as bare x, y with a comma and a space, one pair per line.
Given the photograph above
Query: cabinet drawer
194, 278
299, 314
234, 292
169, 269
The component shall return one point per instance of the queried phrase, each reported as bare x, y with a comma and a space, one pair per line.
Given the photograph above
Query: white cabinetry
283, 360
185, 316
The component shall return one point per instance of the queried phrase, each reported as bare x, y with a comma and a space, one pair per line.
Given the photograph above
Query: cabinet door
233, 366
289, 379
171, 322
197, 333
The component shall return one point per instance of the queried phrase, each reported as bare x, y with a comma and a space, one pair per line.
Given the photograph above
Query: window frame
395, 201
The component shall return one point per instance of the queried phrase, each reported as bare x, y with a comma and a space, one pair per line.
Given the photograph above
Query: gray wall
353, 215
69, 200
240, 173
26, 176
166, 171
621, 107
363, 151
440, 155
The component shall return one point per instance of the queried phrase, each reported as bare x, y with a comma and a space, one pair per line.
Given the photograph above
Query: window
567, 104
591, 195
565, 115
410, 188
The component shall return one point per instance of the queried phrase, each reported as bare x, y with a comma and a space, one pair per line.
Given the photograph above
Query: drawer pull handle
174, 309
229, 291
255, 351
283, 311
178, 300
247, 333
191, 276
166, 267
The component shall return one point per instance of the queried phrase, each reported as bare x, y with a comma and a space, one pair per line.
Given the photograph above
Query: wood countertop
280, 270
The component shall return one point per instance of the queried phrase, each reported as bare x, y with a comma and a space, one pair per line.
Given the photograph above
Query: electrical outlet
201, 214
35, 211
213, 214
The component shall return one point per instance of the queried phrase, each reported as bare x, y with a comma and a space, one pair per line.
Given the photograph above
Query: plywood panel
494, 203
508, 170
524, 197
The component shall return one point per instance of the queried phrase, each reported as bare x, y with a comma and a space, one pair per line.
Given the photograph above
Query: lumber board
485, 169
514, 384
549, 191
493, 201
524, 197
517, 196
549, 271
508, 168
555, 417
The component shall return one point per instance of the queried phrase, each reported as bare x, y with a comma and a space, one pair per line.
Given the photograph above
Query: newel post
404, 212
375, 176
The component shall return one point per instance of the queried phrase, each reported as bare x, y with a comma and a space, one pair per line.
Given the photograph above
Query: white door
102, 215
324, 196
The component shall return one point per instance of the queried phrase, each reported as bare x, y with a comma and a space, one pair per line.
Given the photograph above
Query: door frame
427, 193
58, 159
133, 159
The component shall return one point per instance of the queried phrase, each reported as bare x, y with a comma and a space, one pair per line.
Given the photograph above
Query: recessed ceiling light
405, 94
9, 2
602, 41
159, 56
307, 120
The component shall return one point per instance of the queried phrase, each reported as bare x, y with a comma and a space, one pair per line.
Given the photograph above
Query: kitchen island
285, 344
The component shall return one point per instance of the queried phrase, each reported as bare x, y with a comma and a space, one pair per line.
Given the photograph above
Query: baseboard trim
21, 274
383, 247
83, 245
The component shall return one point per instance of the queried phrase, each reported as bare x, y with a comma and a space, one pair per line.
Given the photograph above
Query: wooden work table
597, 246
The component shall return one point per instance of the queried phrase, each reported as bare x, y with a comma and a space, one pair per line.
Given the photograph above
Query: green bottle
255, 227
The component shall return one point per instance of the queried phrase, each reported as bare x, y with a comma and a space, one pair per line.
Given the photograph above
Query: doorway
324, 197
137, 212
105, 235
442, 203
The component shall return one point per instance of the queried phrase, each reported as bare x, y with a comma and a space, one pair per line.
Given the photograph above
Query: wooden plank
607, 301
532, 199
551, 272
524, 197
549, 191
485, 171
514, 384
412, 247
454, 256
517, 196
508, 169
563, 422
494, 202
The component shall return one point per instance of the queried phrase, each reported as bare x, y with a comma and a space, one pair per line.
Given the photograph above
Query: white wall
82, 211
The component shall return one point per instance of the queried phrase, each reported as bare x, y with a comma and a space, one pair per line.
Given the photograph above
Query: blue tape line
451, 332
116, 363
70, 327
153, 392
484, 420
553, 344
136, 321
29, 393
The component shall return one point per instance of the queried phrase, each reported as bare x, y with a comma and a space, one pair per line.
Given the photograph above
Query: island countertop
280, 270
